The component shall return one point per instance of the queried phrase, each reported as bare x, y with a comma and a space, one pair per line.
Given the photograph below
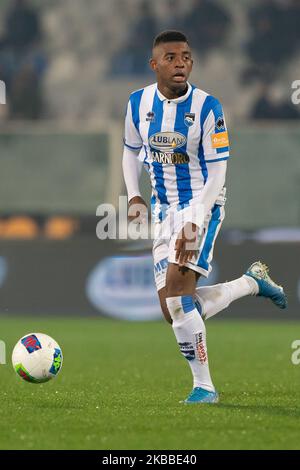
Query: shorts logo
150, 116
220, 123
31, 343
167, 141
189, 119
220, 140
200, 348
161, 267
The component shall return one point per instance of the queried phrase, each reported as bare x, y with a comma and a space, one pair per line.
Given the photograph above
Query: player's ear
153, 64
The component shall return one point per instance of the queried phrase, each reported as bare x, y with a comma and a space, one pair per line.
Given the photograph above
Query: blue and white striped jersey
177, 140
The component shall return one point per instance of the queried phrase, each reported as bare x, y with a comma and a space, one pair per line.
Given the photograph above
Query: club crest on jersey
220, 123
167, 141
150, 116
189, 119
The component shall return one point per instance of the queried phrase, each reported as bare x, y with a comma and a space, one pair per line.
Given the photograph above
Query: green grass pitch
121, 384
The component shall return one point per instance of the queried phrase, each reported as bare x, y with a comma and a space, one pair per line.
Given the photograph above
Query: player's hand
186, 245
137, 210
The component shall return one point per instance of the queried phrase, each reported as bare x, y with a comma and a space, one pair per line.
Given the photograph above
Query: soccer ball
37, 358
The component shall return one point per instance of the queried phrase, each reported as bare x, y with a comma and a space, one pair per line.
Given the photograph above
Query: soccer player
178, 132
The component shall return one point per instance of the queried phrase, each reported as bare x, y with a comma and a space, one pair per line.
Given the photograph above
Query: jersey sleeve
132, 138
215, 139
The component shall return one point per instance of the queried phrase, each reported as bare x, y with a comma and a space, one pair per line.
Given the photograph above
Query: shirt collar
176, 100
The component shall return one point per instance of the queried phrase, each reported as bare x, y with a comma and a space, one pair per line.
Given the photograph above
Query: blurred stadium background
69, 67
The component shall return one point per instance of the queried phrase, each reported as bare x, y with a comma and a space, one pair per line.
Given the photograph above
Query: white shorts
164, 245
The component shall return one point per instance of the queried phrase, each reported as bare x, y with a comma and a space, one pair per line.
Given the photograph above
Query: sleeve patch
220, 140
220, 124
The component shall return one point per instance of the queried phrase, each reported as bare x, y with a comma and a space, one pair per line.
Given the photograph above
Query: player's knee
179, 281
175, 287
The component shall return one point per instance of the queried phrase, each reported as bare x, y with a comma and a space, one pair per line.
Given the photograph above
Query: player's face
172, 62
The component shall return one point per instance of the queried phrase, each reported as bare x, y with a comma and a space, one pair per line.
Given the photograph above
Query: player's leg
176, 287
211, 300
162, 294
189, 329
160, 257
256, 281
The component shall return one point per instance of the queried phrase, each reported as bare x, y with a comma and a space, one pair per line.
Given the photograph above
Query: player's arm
216, 153
132, 168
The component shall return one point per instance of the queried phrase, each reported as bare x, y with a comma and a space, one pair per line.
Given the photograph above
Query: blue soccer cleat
200, 395
266, 287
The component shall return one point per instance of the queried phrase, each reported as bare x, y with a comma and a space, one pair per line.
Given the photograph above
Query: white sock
213, 299
190, 333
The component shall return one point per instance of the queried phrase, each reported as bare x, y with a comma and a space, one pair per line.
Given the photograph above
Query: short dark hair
170, 36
